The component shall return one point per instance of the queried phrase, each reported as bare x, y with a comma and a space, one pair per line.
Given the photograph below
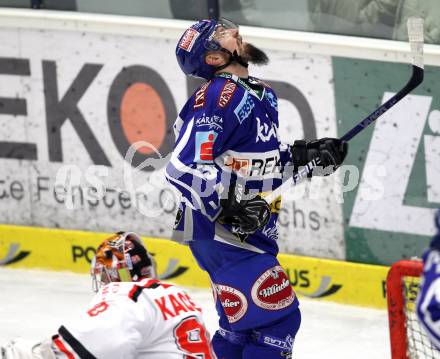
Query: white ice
33, 304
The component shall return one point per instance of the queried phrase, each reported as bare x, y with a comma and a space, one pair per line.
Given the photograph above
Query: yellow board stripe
60, 250
337, 281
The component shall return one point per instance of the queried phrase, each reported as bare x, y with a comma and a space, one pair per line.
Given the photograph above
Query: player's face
230, 39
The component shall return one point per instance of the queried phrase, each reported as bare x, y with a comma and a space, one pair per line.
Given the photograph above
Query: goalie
133, 315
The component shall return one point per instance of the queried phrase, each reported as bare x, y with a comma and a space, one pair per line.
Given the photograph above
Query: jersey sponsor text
200, 96
264, 132
226, 94
253, 165
212, 122
272, 290
244, 108
233, 302
188, 39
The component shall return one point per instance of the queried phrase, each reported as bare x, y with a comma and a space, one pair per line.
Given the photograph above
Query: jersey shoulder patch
200, 96
224, 92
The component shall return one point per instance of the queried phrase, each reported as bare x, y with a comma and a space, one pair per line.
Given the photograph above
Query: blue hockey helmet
195, 43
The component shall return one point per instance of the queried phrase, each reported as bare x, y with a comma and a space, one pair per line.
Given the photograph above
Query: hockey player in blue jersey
428, 300
227, 157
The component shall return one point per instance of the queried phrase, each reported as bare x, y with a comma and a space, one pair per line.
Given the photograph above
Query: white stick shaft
415, 36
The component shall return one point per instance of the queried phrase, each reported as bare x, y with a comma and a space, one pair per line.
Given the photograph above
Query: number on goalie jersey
133, 315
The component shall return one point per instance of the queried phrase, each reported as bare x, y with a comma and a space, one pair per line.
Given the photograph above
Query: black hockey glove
330, 151
245, 216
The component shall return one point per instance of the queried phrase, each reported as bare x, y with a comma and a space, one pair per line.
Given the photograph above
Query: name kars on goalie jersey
172, 305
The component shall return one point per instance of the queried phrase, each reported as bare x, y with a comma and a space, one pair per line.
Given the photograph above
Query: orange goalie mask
121, 258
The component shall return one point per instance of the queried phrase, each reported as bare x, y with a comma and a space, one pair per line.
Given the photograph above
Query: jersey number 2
191, 338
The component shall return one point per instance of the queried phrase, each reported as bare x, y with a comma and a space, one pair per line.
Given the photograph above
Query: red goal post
408, 340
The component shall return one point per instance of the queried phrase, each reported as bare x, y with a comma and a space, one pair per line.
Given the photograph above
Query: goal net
407, 337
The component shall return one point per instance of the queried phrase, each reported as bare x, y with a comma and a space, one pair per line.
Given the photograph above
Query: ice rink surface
33, 304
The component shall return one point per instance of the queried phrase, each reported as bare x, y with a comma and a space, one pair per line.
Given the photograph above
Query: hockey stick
415, 36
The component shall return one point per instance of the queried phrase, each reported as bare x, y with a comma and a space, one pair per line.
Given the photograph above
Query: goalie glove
245, 216
22, 349
330, 151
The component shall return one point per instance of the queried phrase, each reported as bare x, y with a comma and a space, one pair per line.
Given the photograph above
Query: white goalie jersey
146, 319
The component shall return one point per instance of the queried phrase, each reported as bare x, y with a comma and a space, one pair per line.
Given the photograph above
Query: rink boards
66, 250
87, 103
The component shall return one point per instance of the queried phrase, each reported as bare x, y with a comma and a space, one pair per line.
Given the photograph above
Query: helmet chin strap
233, 57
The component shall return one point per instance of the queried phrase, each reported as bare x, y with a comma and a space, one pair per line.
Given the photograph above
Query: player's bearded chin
254, 55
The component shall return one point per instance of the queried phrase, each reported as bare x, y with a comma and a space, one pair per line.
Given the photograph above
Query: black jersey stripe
79, 349
134, 295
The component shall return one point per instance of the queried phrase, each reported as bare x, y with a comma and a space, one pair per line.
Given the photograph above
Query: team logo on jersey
244, 108
238, 165
188, 39
200, 96
212, 122
261, 165
271, 232
227, 92
204, 146
272, 290
265, 131
272, 100
233, 301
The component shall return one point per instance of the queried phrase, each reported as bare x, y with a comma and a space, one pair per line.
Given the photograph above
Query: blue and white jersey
428, 300
227, 131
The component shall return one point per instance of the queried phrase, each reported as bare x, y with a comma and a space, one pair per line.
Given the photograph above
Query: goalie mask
121, 258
